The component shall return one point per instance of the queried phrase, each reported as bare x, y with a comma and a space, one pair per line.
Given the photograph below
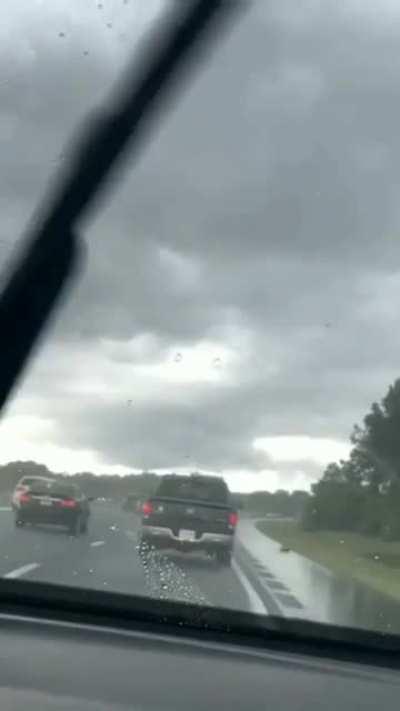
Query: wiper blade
53, 250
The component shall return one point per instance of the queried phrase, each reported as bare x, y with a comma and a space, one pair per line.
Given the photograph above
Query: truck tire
224, 557
74, 528
84, 525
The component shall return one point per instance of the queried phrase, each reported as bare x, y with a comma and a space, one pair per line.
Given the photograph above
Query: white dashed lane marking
23, 570
96, 544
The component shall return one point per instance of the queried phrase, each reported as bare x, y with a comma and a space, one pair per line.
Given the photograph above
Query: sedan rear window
34, 480
65, 491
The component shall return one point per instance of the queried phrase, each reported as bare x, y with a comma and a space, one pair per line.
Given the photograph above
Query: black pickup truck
190, 513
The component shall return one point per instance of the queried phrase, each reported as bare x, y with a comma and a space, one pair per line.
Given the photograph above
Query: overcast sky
238, 311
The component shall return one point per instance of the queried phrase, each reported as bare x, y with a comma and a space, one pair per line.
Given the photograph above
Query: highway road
262, 579
108, 558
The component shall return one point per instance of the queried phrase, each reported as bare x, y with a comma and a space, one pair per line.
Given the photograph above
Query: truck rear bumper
165, 537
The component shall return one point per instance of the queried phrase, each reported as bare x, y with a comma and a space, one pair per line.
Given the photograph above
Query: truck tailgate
200, 517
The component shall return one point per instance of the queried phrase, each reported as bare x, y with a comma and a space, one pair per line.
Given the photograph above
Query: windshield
218, 394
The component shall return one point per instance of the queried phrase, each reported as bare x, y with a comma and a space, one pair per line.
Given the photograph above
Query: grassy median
368, 560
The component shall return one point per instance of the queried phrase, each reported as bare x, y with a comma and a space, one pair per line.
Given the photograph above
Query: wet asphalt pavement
262, 578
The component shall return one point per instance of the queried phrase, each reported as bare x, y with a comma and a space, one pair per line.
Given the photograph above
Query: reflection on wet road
262, 577
302, 588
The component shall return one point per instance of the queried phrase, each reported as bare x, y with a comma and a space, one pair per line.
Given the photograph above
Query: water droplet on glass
90, 571
100, 6
341, 542
178, 358
376, 557
86, 53
109, 25
105, 583
114, 527
217, 362
61, 34
75, 572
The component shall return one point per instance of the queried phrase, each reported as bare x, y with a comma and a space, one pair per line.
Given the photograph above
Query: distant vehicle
25, 484
55, 503
130, 503
190, 513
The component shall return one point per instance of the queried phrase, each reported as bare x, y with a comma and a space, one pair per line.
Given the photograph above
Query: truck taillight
147, 508
233, 519
24, 498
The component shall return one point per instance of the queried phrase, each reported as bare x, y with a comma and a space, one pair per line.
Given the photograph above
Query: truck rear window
213, 490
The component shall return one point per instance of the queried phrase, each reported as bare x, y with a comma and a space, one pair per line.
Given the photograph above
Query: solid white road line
23, 570
256, 604
95, 544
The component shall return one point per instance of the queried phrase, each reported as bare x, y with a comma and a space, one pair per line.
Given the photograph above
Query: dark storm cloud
266, 201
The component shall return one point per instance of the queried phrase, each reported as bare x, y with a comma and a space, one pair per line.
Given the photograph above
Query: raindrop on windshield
178, 358
61, 34
217, 362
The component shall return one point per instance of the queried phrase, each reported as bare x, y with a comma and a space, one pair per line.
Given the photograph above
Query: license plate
185, 535
46, 503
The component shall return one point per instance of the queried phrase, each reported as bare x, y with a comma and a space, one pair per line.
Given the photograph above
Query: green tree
363, 492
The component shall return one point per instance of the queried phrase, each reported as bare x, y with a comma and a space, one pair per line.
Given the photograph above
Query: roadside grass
368, 560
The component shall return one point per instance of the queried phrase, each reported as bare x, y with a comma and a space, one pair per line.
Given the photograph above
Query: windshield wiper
53, 251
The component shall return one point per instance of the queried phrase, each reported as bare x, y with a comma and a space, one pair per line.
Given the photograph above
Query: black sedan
60, 504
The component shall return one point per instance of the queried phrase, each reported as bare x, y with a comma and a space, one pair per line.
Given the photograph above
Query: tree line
140, 486
362, 493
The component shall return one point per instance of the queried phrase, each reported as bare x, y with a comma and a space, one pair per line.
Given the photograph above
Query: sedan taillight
68, 503
24, 498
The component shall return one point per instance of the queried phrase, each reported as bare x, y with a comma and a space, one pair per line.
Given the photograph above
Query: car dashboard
47, 663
